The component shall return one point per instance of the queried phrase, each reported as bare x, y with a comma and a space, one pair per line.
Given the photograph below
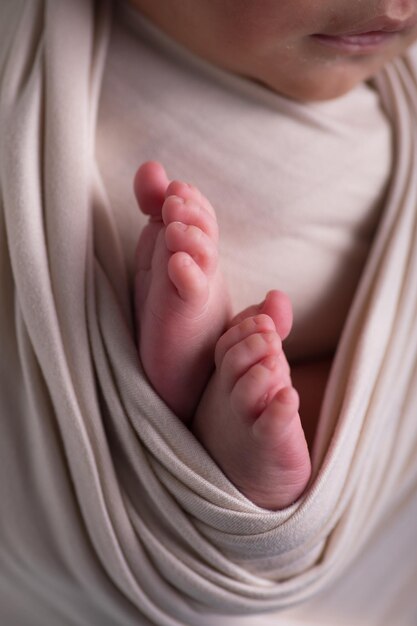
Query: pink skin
181, 301
274, 42
248, 416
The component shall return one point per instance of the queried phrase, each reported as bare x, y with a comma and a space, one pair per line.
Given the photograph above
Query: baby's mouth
367, 37
362, 43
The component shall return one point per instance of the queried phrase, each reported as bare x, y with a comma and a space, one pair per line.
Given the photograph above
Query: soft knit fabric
111, 512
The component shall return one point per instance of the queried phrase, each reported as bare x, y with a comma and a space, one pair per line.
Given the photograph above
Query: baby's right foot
182, 306
248, 417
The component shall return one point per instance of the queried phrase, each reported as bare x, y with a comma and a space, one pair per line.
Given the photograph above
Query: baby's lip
381, 24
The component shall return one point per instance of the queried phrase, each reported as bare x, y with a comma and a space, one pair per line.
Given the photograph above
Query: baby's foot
248, 417
181, 302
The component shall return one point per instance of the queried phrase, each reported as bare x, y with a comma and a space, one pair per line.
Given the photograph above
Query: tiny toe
204, 202
195, 192
279, 427
247, 353
176, 209
181, 237
238, 332
189, 192
278, 306
150, 185
183, 190
254, 389
188, 278
279, 438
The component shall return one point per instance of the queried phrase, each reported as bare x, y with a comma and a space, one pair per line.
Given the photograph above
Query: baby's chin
316, 86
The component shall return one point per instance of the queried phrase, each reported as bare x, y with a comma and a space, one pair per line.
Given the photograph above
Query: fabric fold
160, 523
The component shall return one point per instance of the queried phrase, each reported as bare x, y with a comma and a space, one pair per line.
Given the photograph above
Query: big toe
150, 185
277, 306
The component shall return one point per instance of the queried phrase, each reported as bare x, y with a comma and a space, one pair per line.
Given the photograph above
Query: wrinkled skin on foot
182, 305
248, 417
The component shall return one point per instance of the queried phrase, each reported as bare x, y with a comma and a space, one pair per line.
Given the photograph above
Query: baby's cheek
263, 23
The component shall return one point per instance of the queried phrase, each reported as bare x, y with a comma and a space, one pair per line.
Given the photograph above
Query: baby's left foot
248, 417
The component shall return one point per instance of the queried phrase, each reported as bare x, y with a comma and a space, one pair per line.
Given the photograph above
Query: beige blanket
111, 512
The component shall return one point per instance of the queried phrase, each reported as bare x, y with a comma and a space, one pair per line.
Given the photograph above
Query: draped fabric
102, 488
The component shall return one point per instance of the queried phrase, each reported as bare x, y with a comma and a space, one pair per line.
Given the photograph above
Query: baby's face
304, 49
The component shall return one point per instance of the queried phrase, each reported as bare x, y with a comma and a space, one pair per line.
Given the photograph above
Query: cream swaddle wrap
102, 488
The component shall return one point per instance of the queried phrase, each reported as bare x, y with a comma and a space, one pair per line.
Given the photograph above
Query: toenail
177, 199
186, 261
180, 226
261, 320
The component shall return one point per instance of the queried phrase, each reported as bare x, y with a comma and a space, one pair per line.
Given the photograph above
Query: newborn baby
246, 413
248, 416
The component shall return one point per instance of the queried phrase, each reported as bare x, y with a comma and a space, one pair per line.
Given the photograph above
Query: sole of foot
182, 306
248, 417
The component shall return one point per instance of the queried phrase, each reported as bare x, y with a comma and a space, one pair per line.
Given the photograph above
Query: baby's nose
398, 9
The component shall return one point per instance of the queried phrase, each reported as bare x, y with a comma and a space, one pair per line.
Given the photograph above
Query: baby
247, 417
246, 412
